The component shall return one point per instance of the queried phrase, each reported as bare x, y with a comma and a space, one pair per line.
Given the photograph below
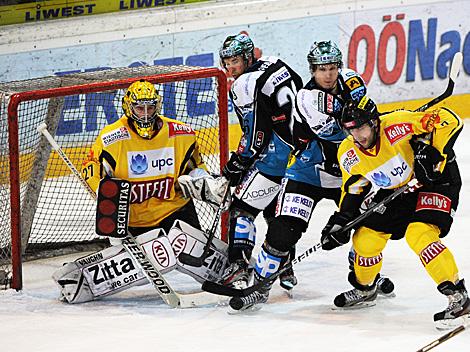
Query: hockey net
43, 206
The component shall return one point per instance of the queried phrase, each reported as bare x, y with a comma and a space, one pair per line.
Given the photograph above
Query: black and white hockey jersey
319, 113
264, 100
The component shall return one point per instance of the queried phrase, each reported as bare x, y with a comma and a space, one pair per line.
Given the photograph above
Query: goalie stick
219, 289
191, 260
445, 337
164, 290
454, 71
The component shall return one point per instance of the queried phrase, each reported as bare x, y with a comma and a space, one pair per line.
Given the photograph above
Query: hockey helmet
142, 95
234, 45
324, 52
357, 113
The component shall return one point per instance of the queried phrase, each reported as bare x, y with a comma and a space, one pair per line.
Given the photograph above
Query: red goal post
42, 205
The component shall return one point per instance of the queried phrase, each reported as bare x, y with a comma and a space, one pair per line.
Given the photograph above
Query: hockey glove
426, 159
332, 236
236, 168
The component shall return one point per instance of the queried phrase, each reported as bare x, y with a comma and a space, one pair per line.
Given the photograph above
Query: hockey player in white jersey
314, 173
263, 95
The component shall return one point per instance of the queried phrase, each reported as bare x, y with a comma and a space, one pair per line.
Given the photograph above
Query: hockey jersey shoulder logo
349, 159
116, 135
178, 129
429, 120
398, 131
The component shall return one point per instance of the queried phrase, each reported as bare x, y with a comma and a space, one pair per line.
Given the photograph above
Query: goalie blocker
112, 270
112, 207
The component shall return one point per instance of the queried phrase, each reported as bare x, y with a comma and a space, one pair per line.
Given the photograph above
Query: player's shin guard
368, 245
242, 236
434, 255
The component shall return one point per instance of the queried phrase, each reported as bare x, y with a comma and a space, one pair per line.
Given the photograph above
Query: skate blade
448, 324
251, 309
386, 295
289, 293
356, 306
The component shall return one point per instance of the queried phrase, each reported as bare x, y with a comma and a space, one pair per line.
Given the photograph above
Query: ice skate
385, 287
287, 280
236, 275
252, 302
360, 296
458, 310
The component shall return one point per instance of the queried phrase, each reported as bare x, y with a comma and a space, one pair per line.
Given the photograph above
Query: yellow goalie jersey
389, 164
152, 166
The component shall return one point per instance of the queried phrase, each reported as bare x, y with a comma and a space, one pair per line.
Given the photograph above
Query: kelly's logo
398, 131
433, 201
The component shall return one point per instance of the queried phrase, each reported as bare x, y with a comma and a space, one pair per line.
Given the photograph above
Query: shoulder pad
243, 89
316, 107
354, 84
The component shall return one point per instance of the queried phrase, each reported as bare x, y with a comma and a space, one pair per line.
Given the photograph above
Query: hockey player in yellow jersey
386, 152
160, 158
151, 151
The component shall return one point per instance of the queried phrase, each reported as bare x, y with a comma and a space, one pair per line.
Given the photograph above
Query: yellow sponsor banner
41, 10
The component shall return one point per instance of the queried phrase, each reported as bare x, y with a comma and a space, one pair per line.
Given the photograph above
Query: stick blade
218, 289
190, 260
455, 66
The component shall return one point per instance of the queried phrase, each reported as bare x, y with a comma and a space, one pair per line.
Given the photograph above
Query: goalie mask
235, 45
323, 53
142, 105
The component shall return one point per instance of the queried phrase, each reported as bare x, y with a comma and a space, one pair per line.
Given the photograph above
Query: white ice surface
137, 320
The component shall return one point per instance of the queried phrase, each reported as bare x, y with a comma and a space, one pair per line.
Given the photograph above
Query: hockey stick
454, 71
445, 337
188, 259
219, 289
164, 290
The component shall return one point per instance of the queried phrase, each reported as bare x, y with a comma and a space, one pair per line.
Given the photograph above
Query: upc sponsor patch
433, 201
115, 135
398, 131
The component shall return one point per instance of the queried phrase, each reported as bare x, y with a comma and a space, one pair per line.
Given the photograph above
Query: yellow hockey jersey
389, 164
152, 166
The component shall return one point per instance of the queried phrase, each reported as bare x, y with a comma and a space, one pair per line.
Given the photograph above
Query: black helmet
357, 113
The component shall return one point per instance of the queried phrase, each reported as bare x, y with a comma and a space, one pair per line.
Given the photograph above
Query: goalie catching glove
199, 185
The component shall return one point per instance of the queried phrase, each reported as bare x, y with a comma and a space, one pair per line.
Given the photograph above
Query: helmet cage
142, 94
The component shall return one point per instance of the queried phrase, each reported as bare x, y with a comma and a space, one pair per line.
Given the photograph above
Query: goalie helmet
357, 113
234, 45
142, 105
322, 53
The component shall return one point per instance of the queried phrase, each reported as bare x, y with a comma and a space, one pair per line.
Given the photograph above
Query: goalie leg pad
187, 239
112, 270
